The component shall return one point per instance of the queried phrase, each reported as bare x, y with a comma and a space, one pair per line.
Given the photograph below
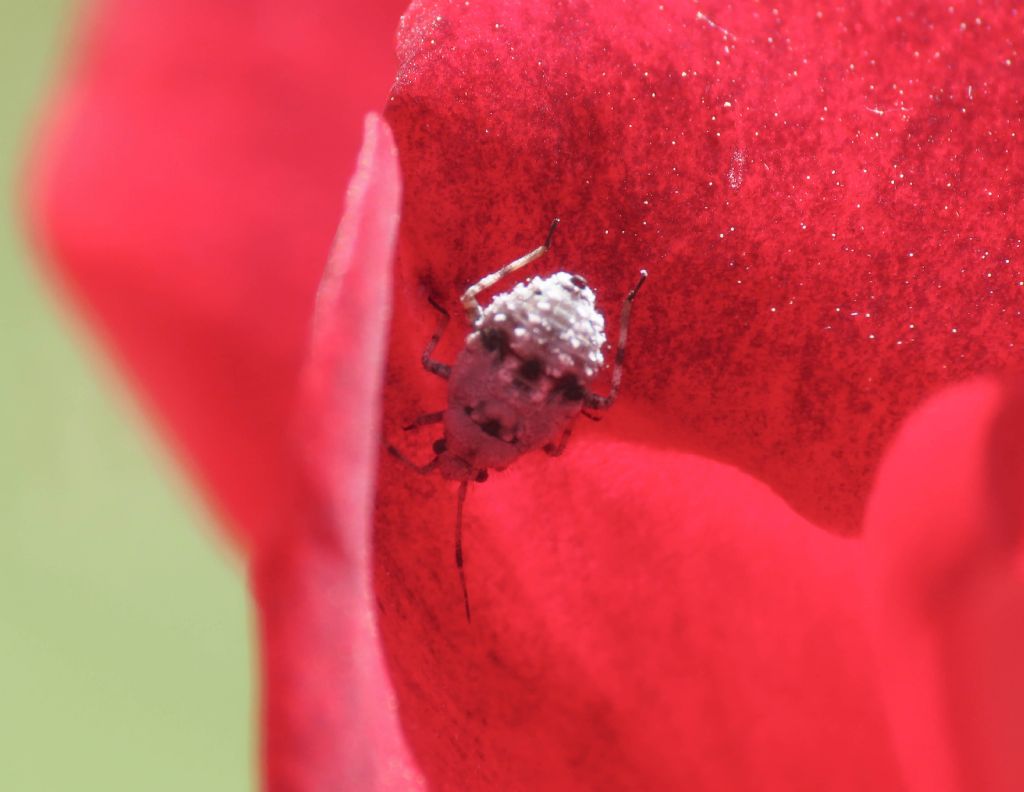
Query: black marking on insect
521, 380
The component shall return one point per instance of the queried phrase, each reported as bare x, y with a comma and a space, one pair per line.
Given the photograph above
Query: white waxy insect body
520, 380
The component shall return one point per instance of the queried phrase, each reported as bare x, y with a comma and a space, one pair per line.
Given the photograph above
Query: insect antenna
463, 488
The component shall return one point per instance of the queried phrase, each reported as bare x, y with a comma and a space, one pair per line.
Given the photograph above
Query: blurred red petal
328, 712
944, 527
828, 199
642, 619
188, 184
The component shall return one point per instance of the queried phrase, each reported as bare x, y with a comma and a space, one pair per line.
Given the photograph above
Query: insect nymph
521, 380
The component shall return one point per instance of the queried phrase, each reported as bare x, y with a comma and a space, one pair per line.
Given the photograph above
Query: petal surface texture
828, 201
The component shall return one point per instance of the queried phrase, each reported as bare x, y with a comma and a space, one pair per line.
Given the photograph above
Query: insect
521, 379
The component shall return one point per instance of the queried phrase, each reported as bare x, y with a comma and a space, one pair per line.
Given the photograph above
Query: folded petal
943, 525
642, 619
187, 184
329, 720
827, 198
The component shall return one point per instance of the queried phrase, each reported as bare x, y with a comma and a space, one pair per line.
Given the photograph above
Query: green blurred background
125, 646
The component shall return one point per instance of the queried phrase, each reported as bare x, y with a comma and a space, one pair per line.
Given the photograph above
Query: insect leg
426, 420
442, 370
463, 487
469, 302
551, 449
592, 400
424, 469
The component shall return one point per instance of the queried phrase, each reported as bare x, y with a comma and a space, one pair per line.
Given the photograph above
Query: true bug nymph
521, 380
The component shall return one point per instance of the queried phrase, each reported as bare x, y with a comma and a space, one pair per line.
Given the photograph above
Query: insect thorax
553, 320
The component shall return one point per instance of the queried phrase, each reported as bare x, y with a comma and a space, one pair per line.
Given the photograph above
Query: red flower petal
828, 200
944, 525
735, 154
642, 619
328, 723
188, 186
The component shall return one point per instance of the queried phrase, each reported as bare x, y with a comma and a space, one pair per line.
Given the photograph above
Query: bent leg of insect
556, 449
429, 467
592, 400
425, 420
443, 370
472, 307
469, 302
